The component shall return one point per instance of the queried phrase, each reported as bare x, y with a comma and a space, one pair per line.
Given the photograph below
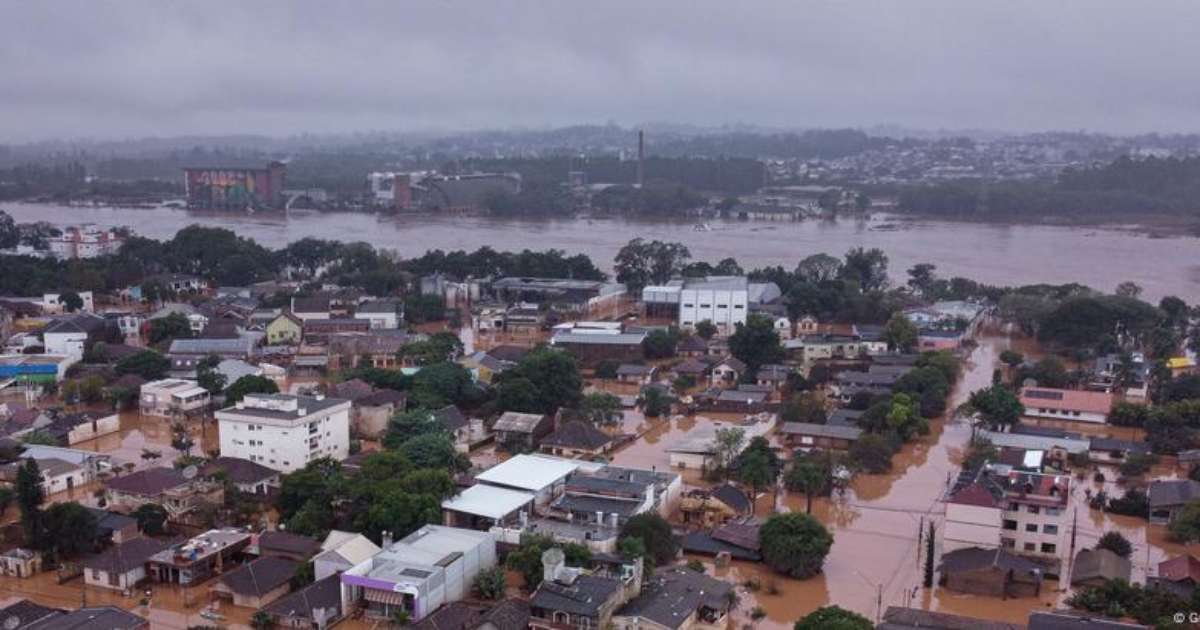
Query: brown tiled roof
149, 483
238, 470
578, 434
288, 543
259, 577
1180, 568
126, 556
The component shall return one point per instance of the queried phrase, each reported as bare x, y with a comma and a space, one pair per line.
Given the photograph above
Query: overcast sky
141, 67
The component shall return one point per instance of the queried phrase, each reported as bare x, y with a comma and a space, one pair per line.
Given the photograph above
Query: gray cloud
113, 69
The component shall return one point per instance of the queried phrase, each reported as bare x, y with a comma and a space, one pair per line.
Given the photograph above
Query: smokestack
641, 166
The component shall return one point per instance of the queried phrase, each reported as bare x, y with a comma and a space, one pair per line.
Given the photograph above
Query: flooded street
877, 556
994, 254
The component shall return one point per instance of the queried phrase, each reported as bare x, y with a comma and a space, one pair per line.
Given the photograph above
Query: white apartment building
285, 432
85, 242
53, 302
998, 506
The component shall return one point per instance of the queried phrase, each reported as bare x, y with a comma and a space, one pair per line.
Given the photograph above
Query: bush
491, 583
1116, 543
833, 618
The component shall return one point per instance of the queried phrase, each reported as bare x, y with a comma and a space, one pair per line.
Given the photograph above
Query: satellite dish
12, 622
190, 472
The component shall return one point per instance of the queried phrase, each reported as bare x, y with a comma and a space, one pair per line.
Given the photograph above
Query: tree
756, 471
30, 497
805, 407
640, 263
867, 268
818, 268
996, 406
208, 377
872, 453
833, 618
554, 377
10, 236
1128, 290
921, 277
602, 408
262, 620
808, 477
1011, 358
440, 384
1116, 543
755, 342
607, 369
71, 301
249, 384
705, 329
660, 344
527, 558
173, 326
491, 584
1127, 414
433, 450
147, 364
727, 444
70, 529
655, 402
151, 519
1137, 464
655, 533
794, 544
930, 556
1185, 524
900, 333
518, 394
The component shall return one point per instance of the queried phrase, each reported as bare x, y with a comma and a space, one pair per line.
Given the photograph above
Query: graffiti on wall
224, 188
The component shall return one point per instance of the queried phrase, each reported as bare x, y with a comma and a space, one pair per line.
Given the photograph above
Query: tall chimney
641, 165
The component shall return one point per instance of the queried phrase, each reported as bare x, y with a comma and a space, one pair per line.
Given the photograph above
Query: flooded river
996, 254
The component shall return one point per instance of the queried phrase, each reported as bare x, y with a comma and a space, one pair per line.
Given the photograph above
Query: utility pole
878, 604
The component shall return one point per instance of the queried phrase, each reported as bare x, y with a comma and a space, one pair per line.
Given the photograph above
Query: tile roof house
121, 567
992, 572
287, 545
249, 477
256, 583
1066, 404
521, 431
317, 605
340, 551
1168, 496
1180, 575
1094, 567
897, 618
677, 598
1073, 620
164, 486
577, 438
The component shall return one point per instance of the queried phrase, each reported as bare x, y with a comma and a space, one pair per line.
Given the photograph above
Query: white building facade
285, 432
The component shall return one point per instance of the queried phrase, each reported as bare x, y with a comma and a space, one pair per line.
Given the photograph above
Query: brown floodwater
876, 557
995, 254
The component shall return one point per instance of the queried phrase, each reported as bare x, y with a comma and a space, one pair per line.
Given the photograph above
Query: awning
383, 597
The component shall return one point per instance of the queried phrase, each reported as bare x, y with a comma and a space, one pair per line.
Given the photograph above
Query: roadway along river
996, 254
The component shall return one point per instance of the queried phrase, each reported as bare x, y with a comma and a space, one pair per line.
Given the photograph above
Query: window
1053, 511
722, 306
1010, 525
1050, 529
706, 306
1031, 527
1030, 547
1048, 547
1013, 507
739, 306
1033, 509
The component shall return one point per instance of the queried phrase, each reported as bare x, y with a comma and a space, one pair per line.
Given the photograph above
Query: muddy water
996, 254
876, 558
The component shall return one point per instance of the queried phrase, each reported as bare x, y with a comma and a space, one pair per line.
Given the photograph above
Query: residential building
313, 607
34, 369
52, 303
278, 544
29, 614
173, 397
340, 551
738, 538
991, 572
58, 475
285, 432
897, 618
697, 450
521, 432
1094, 567
997, 506
585, 298
467, 432
567, 598
717, 506
86, 618
594, 347
543, 477
114, 527
257, 583
434, 565
382, 314
123, 566
636, 374
373, 412
167, 487
1179, 575
678, 598
285, 329
20, 563
509, 614
577, 438
728, 371
186, 354
320, 330
1066, 404
823, 436
86, 241
484, 506
1074, 620
70, 335
1168, 496
199, 558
